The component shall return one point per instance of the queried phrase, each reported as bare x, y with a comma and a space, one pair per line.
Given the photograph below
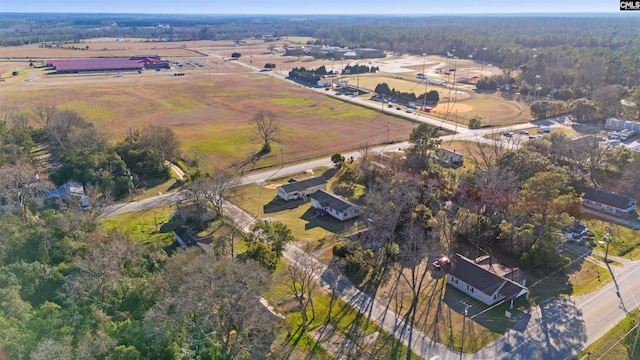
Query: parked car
508, 134
442, 263
409, 111
524, 132
398, 108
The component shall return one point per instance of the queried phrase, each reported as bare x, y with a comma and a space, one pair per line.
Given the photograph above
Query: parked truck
625, 134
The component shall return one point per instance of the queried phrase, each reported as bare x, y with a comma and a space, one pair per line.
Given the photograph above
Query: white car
409, 111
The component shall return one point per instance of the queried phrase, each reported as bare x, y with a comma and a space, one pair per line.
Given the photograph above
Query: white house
485, 280
325, 83
449, 156
333, 205
609, 203
301, 189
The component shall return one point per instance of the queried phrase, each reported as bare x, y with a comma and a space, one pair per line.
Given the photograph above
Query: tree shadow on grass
279, 204
249, 163
326, 222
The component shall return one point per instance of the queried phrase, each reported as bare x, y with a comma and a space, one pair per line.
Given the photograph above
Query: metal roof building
134, 63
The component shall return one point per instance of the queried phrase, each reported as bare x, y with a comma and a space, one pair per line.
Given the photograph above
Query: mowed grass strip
617, 343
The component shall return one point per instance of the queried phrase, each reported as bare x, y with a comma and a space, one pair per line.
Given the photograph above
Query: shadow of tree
279, 204
559, 332
326, 222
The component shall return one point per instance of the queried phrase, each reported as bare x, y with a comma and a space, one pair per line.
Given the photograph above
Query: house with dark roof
576, 231
609, 203
327, 203
486, 280
187, 239
301, 189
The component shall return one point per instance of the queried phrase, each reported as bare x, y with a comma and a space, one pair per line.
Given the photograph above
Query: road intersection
557, 329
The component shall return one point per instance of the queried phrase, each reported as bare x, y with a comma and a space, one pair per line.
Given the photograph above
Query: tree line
77, 151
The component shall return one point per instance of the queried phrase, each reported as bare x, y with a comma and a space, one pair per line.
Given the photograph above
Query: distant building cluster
326, 52
134, 63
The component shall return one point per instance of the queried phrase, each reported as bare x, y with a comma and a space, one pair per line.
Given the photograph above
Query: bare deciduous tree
20, 187
217, 307
301, 277
99, 272
267, 127
210, 190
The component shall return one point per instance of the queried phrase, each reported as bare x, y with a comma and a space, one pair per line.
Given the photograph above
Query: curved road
555, 330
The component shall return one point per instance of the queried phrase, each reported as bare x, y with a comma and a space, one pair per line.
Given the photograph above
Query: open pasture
104, 47
210, 112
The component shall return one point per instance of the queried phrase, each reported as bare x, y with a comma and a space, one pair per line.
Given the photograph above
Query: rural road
555, 330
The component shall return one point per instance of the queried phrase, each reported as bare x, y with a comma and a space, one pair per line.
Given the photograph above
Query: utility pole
282, 155
607, 238
464, 320
426, 81
484, 50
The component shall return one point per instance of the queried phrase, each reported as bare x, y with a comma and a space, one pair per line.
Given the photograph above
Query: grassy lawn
587, 277
333, 315
579, 278
262, 201
617, 343
151, 226
211, 124
624, 241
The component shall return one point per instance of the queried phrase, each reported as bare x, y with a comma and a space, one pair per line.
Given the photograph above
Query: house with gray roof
301, 189
187, 239
67, 191
333, 205
609, 203
486, 280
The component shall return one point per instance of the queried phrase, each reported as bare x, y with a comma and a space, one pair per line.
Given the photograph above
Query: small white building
334, 205
449, 156
324, 83
301, 189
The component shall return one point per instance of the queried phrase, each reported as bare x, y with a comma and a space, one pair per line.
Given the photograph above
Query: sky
388, 7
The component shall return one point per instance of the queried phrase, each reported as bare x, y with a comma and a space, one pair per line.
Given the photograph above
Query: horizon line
326, 14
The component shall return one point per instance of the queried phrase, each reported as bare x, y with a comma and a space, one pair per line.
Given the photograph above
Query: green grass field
212, 123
